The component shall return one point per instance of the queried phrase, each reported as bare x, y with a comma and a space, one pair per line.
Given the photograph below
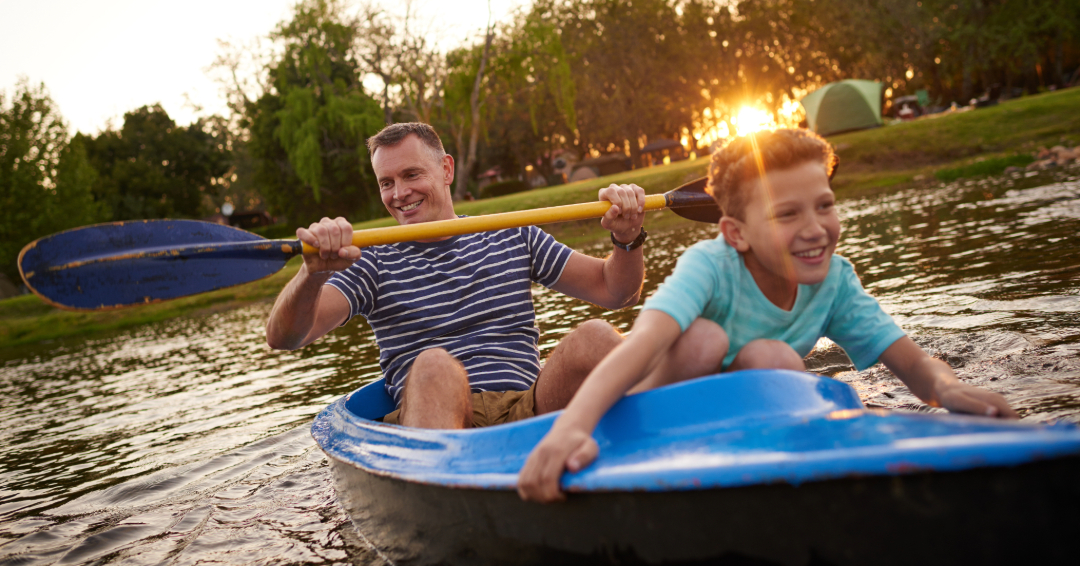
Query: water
186, 441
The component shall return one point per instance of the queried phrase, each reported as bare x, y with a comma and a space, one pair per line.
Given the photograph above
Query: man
453, 317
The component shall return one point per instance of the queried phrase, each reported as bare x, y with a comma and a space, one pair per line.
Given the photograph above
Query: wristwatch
632, 245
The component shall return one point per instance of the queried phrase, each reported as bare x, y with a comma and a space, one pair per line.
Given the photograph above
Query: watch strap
632, 245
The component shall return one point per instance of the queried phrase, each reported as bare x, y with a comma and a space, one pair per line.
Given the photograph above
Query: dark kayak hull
1021, 515
749, 468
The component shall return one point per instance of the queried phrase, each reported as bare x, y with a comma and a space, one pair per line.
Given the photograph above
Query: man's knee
436, 392
769, 354
596, 335
435, 368
594, 327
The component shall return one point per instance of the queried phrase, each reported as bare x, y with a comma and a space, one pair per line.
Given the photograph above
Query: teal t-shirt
711, 281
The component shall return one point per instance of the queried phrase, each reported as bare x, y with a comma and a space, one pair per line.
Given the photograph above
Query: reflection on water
186, 441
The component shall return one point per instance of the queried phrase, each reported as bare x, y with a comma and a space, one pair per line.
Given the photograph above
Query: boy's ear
732, 229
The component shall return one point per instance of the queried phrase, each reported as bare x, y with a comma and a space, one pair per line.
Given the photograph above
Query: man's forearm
624, 273
295, 309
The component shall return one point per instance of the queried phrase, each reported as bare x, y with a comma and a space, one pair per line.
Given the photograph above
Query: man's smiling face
414, 185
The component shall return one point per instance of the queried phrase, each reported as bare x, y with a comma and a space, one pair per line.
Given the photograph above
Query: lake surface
187, 441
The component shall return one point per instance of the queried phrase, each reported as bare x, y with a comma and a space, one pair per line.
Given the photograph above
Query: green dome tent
844, 106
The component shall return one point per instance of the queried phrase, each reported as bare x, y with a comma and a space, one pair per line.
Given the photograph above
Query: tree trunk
474, 101
388, 116
1059, 54
969, 62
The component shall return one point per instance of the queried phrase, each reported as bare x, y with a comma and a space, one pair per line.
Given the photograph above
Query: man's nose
401, 191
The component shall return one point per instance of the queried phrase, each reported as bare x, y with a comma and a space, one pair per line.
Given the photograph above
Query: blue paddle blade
121, 264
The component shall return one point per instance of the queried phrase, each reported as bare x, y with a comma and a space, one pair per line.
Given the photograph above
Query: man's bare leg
698, 352
571, 361
436, 393
767, 354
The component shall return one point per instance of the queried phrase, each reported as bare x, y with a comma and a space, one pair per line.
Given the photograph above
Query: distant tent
844, 106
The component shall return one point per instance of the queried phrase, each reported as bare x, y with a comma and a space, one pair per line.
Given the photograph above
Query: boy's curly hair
736, 163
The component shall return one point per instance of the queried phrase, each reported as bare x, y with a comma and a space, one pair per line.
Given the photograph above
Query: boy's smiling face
788, 230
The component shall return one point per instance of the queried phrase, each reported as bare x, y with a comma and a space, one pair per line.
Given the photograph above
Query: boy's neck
781, 291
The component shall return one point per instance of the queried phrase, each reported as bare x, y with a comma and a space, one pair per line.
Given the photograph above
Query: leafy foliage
45, 180
307, 131
152, 168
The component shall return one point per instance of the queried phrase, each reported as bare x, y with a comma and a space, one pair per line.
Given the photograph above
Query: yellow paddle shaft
473, 224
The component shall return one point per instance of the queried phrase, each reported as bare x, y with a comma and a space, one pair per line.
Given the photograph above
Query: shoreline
925, 152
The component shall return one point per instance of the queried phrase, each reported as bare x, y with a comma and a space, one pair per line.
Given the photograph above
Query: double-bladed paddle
108, 266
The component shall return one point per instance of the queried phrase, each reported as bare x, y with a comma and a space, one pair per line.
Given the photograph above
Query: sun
750, 120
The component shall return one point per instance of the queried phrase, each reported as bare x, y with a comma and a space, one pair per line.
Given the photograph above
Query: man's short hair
396, 133
748, 157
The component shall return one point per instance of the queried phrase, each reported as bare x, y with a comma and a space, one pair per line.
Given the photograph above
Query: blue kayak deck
744, 428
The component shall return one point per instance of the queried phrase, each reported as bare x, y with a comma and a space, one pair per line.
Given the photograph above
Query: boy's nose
813, 230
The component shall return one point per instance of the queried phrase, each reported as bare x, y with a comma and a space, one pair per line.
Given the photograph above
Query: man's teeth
811, 253
409, 207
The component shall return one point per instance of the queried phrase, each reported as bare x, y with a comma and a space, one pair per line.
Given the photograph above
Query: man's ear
448, 169
732, 229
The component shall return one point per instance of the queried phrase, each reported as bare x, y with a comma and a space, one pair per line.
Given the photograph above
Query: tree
45, 181
306, 132
469, 162
152, 168
531, 94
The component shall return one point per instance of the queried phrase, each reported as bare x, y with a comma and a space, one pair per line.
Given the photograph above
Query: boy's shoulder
714, 247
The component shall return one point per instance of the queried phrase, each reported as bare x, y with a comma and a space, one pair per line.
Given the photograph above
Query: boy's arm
569, 443
934, 382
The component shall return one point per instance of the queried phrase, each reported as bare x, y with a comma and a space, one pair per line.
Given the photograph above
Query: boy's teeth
409, 207
811, 253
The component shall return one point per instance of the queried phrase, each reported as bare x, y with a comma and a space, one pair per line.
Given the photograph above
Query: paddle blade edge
123, 264
692, 202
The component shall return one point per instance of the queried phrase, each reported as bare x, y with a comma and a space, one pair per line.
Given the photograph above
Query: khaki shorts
493, 407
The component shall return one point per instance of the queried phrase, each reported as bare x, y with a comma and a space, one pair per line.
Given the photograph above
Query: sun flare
750, 120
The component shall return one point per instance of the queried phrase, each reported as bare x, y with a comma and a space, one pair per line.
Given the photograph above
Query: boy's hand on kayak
560, 450
334, 240
963, 398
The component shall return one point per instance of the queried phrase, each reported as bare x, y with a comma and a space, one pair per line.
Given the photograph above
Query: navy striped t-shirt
470, 295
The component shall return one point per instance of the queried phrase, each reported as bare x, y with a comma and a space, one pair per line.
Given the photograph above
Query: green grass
901, 153
27, 319
982, 168
946, 147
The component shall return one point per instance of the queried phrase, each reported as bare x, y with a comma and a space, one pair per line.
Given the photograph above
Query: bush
995, 166
276, 232
504, 188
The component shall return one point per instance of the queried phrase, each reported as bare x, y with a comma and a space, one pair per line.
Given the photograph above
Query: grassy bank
945, 146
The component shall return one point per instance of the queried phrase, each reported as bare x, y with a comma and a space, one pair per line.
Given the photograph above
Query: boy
758, 297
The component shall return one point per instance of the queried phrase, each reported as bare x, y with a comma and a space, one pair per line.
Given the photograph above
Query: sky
101, 58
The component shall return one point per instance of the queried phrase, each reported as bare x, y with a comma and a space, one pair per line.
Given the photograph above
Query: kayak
750, 467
